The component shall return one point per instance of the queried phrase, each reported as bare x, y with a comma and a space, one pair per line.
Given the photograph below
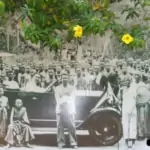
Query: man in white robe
129, 114
129, 111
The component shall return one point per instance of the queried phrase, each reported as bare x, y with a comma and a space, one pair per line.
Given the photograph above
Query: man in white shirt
129, 114
65, 112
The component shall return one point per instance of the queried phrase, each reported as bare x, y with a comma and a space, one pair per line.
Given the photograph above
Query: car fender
107, 110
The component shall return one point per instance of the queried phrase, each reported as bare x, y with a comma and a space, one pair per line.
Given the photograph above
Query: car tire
105, 128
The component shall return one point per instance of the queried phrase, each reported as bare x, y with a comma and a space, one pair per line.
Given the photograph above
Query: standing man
65, 112
129, 114
143, 97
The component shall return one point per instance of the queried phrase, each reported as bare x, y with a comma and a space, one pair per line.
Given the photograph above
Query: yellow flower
127, 38
78, 31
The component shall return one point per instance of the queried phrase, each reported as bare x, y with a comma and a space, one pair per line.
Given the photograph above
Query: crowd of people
85, 76
124, 76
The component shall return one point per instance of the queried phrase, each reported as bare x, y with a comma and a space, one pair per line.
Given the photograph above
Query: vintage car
96, 116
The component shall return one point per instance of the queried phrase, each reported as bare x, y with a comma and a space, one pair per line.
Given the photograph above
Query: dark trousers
66, 120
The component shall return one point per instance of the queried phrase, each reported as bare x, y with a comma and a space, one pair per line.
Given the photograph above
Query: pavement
139, 146
48, 142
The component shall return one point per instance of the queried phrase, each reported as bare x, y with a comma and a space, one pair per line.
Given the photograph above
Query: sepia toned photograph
74, 74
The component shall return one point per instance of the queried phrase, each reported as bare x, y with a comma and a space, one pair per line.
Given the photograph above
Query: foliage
50, 18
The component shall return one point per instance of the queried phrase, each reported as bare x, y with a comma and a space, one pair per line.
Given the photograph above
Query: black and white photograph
74, 74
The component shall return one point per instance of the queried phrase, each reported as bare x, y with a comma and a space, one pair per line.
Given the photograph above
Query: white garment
61, 98
129, 112
131, 70
32, 87
3, 101
11, 85
89, 78
28, 77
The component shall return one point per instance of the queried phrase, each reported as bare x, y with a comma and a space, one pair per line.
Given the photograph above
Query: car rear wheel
106, 129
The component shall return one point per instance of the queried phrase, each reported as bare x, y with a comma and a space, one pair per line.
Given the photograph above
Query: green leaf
147, 18
2, 7
106, 3
146, 2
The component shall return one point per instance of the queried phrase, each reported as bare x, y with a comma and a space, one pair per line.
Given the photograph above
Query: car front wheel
105, 128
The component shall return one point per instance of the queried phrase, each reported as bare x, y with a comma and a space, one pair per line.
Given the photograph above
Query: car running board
50, 131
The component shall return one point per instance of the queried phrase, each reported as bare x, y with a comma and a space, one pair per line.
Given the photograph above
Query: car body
96, 116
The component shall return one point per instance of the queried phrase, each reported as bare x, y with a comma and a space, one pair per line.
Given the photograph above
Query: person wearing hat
130, 110
49, 77
143, 96
124, 76
64, 53
101, 79
11, 83
32, 73
138, 67
129, 114
21, 73
58, 76
23, 81
27, 75
80, 80
130, 65
113, 79
142, 66
96, 73
34, 85
65, 112
95, 61
90, 77
146, 68
138, 82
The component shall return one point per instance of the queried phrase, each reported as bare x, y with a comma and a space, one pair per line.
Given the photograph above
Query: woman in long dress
129, 114
19, 131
